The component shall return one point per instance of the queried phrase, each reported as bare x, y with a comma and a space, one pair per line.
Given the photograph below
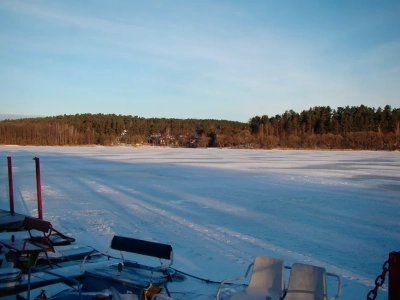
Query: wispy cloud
218, 52
169, 41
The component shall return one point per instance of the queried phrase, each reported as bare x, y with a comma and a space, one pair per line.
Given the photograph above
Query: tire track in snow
222, 237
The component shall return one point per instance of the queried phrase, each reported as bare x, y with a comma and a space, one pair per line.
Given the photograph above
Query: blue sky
197, 59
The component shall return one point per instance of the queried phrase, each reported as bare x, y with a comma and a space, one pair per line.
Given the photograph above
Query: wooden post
10, 184
39, 188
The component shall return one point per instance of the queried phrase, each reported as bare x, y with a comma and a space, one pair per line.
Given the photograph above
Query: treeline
359, 128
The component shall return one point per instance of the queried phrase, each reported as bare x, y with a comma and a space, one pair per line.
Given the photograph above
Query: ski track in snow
220, 208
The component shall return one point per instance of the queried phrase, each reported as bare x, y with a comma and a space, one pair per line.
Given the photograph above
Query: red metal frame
38, 186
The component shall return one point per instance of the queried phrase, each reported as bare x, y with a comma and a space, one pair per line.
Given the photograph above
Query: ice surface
219, 208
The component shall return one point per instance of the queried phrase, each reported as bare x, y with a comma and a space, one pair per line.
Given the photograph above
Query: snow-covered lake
219, 208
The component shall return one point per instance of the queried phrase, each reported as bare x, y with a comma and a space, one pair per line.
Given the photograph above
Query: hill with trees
358, 128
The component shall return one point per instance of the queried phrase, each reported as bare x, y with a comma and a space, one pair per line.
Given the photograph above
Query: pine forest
357, 128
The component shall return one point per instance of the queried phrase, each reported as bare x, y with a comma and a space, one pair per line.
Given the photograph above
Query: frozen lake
219, 208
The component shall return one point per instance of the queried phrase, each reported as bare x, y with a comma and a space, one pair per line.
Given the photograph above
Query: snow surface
219, 208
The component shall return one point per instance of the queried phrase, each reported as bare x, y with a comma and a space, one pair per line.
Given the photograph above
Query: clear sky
203, 59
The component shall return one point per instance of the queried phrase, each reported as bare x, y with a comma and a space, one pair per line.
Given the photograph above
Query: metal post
394, 276
38, 188
10, 184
